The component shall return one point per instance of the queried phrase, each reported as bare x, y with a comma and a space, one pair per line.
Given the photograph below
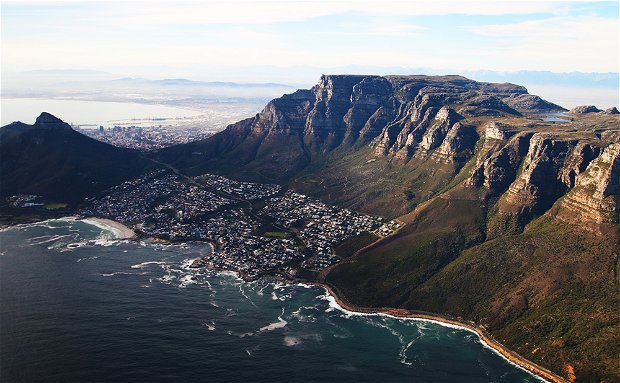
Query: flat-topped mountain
50, 159
396, 114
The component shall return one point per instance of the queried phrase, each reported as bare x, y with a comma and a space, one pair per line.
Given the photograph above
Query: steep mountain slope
511, 218
551, 291
50, 159
341, 113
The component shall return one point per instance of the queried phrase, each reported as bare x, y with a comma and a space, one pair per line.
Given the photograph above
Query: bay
78, 305
78, 112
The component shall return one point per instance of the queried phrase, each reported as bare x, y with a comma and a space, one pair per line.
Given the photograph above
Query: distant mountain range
511, 205
193, 83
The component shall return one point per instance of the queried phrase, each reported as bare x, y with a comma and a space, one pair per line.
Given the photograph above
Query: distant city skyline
248, 40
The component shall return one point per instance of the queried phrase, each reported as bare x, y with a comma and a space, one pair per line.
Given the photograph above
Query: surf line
340, 303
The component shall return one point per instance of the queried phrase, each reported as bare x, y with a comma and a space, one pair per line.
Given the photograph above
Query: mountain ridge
49, 158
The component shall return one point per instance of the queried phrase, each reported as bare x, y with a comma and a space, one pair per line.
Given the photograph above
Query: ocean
78, 305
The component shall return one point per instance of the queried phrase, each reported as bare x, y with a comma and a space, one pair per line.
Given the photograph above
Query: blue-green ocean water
118, 311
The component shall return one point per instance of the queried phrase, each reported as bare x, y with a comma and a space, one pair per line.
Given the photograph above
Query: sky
217, 40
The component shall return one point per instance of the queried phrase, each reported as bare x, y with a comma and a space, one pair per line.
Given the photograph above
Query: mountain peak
49, 120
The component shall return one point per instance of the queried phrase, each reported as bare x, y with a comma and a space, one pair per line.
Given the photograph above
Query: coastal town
145, 138
256, 229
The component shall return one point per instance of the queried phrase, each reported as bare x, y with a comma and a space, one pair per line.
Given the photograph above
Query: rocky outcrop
436, 133
612, 110
583, 109
325, 125
457, 146
498, 171
529, 103
497, 131
539, 184
577, 162
596, 195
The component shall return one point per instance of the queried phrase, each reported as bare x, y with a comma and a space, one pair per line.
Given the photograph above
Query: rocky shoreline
484, 336
123, 232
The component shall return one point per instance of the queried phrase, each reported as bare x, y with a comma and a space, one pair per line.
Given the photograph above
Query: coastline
486, 339
119, 230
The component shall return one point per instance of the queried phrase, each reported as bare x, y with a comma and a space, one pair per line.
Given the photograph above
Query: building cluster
165, 205
320, 227
25, 200
239, 249
388, 228
159, 203
147, 137
246, 190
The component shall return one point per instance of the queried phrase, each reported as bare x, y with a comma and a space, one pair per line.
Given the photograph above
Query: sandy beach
119, 230
485, 337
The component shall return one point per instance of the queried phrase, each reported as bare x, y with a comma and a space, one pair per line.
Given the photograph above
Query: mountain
345, 112
511, 204
50, 159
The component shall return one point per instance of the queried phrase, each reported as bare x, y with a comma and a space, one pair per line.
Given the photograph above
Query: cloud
584, 43
557, 36
200, 12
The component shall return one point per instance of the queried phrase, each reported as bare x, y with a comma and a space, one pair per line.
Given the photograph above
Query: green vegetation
56, 205
351, 245
549, 293
276, 234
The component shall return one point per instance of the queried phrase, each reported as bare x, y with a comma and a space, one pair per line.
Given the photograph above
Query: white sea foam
210, 326
167, 278
291, 341
143, 264
187, 280
246, 296
46, 224
281, 323
403, 353
333, 303
87, 258
301, 317
119, 273
48, 238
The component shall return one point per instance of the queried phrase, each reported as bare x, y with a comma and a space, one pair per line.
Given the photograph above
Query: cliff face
596, 195
499, 170
398, 116
419, 130
539, 184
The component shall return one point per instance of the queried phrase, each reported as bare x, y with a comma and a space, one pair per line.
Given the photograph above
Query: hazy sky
171, 38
